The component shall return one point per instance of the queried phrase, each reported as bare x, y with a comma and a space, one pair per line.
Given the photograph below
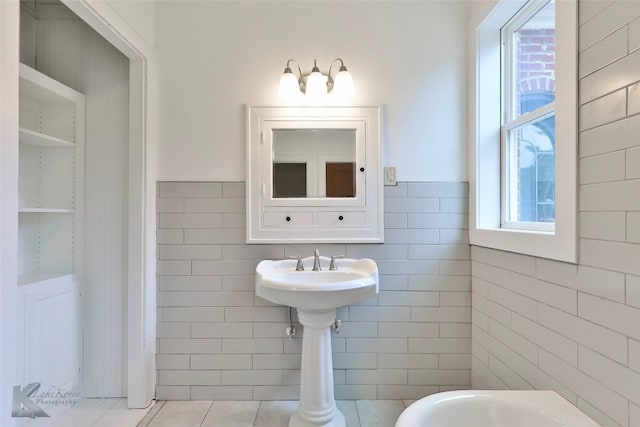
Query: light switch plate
390, 175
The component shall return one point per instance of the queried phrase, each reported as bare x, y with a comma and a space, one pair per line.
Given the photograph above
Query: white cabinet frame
358, 219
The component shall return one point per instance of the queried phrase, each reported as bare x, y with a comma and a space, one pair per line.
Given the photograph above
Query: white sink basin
280, 283
317, 295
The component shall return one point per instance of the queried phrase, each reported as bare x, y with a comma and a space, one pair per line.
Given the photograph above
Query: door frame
9, 72
141, 281
141, 286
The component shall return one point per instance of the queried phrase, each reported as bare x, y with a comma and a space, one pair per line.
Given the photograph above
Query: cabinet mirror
314, 163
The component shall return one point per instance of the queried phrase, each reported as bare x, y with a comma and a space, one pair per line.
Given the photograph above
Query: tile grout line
155, 412
358, 413
255, 417
207, 412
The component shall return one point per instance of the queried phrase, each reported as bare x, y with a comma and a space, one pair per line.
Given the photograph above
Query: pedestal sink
316, 295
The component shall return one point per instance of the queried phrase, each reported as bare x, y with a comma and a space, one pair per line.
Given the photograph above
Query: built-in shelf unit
51, 178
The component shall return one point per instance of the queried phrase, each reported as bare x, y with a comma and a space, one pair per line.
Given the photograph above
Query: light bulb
343, 84
316, 86
289, 88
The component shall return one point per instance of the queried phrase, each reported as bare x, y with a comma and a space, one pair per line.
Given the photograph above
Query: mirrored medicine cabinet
314, 175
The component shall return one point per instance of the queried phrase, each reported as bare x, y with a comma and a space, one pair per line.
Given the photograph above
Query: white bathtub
479, 408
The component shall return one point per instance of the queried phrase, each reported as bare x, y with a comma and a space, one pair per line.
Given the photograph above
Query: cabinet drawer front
338, 219
288, 219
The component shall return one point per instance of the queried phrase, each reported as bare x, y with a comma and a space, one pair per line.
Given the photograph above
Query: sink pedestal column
317, 406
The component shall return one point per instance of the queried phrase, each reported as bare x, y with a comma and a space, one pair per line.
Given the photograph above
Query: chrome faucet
316, 260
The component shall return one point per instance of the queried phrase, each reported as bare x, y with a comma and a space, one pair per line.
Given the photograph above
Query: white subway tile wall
538, 323
218, 341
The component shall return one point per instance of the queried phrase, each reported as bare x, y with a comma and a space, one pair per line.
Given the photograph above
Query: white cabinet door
52, 333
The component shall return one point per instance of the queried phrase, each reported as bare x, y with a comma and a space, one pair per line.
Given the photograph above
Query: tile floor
358, 413
88, 413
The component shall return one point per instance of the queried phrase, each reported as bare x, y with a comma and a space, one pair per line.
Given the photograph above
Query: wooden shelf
37, 139
37, 85
32, 278
44, 210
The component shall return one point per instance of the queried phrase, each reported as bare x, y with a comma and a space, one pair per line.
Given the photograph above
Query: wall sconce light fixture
315, 84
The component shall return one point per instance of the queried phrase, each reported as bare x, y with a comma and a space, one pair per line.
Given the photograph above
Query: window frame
485, 219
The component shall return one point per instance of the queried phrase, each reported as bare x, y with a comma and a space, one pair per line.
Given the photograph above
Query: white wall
140, 15
214, 57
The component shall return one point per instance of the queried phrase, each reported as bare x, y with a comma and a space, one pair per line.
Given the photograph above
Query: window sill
543, 244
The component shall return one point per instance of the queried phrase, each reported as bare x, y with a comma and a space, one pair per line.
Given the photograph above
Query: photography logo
22, 405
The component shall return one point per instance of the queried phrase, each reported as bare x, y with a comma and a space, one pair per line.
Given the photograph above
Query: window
523, 156
528, 112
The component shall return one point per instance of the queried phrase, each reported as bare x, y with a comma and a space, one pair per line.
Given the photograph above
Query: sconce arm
342, 68
300, 79
288, 68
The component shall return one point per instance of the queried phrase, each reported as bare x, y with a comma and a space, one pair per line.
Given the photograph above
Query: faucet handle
316, 260
299, 266
332, 265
